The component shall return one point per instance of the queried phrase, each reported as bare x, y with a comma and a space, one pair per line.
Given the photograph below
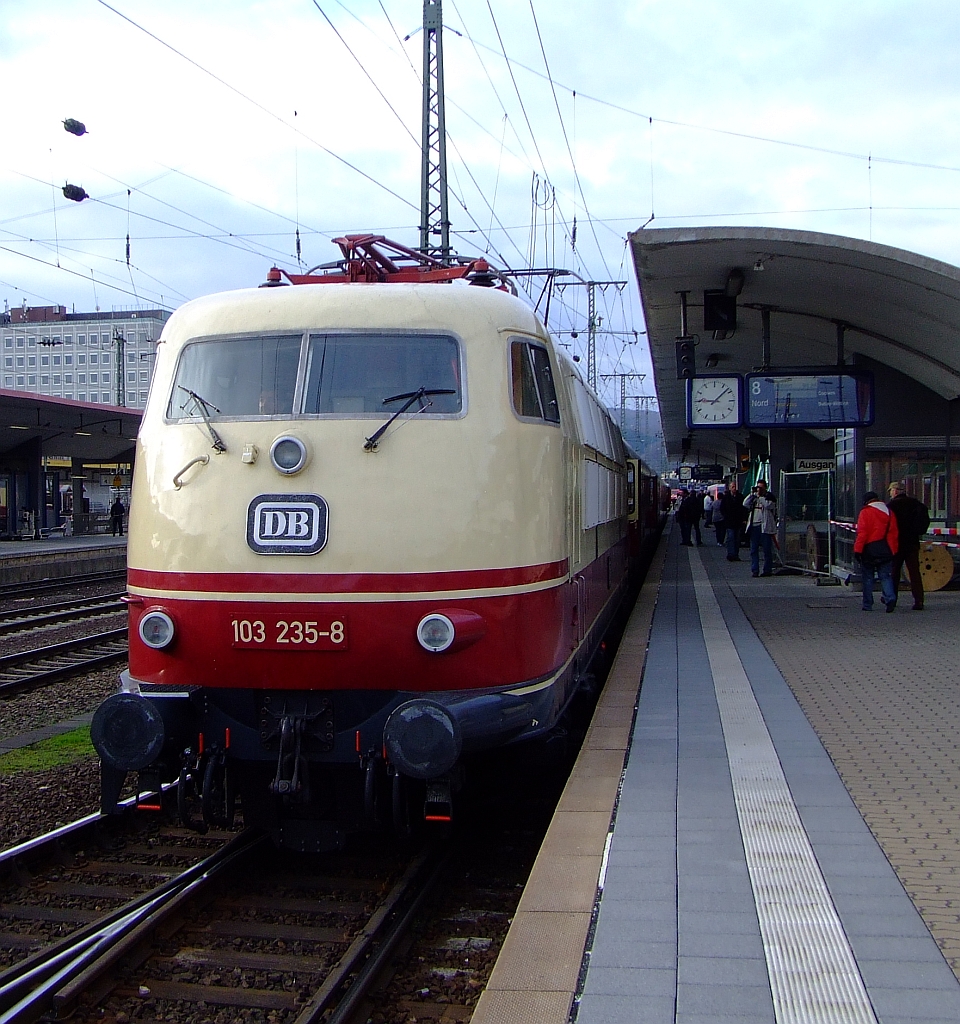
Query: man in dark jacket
731, 509
913, 520
688, 516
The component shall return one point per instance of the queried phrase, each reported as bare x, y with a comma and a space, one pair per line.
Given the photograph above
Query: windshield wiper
370, 444
204, 408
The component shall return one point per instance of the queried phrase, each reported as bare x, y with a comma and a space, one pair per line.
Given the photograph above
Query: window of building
143, 397
20, 381
20, 342
31, 342
81, 378
45, 378
19, 360
81, 396
8, 381
68, 378
8, 361
31, 380
105, 398
81, 358
131, 357
93, 357
8, 342
68, 360
93, 378
56, 360
31, 360
56, 380
105, 360
68, 339
93, 396
81, 339
144, 376
132, 377
44, 360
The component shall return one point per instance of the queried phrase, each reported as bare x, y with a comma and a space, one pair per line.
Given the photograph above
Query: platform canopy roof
895, 307
94, 433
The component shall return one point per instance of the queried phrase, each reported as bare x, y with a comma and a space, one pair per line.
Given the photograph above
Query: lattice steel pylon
434, 214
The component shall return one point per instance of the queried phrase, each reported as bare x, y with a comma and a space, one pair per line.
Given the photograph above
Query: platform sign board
814, 465
809, 400
707, 473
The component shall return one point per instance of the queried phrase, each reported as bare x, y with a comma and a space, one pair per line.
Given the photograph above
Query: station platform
28, 561
773, 836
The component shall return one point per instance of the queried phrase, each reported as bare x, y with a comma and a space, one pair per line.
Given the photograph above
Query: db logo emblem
287, 524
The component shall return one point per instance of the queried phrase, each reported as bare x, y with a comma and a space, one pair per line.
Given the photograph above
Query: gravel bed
58, 702
10, 602
32, 803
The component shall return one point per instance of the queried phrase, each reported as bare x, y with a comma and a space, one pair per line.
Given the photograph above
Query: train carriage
375, 527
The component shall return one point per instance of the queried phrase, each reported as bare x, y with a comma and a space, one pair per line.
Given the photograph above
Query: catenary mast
434, 216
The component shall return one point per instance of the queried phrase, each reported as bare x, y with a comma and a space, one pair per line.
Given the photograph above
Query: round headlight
288, 455
156, 630
435, 633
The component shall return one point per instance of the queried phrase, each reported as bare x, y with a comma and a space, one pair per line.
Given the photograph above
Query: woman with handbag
876, 544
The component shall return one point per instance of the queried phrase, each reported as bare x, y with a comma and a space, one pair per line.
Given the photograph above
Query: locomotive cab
374, 528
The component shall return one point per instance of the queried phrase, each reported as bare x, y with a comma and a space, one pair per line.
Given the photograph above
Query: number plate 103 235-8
275, 634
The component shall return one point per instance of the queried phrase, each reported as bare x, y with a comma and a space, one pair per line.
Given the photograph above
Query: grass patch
59, 750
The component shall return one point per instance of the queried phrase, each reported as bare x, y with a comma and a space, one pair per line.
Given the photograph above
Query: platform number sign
287, 524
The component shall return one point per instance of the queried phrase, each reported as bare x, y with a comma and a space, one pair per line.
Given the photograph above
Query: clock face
714, 402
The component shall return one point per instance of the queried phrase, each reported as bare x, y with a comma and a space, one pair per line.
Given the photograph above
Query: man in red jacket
876, 544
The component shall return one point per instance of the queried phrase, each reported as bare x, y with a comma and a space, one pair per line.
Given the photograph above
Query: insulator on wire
75, 192
128, 250
75, 127
298, 246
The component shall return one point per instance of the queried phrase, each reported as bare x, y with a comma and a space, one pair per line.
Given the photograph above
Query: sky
217, 130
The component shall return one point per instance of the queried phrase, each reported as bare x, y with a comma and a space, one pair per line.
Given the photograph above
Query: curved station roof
895, 307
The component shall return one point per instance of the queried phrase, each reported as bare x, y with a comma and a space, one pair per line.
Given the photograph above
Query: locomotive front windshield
342, 375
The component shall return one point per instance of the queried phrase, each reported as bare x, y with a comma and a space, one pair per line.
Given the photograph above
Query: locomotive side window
534, 393
236, 377
354, 374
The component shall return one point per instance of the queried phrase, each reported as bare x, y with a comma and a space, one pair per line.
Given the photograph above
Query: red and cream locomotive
378, 522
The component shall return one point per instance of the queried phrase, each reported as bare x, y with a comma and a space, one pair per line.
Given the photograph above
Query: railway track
61, 583
246, 928
30, 670
60, 612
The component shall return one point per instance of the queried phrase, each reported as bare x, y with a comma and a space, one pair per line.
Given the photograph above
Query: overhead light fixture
17, 426
83, 433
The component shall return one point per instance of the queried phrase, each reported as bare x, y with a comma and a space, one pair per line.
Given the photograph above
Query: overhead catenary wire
266, 110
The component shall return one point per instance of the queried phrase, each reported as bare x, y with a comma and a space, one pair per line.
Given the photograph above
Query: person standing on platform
913, 521
761, 508
707, 509
731, 515
875, 546
688, 516
116, 517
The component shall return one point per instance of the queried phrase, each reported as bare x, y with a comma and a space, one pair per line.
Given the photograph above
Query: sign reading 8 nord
287, 524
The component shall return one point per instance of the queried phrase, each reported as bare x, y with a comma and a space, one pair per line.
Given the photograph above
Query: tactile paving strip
813, 975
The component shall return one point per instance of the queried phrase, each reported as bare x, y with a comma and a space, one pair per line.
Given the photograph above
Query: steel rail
15, 675
359, 966
63, 611
55, 976
30, 846
62, 582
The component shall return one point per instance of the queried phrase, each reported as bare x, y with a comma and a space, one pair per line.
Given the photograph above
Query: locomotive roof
350, 307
